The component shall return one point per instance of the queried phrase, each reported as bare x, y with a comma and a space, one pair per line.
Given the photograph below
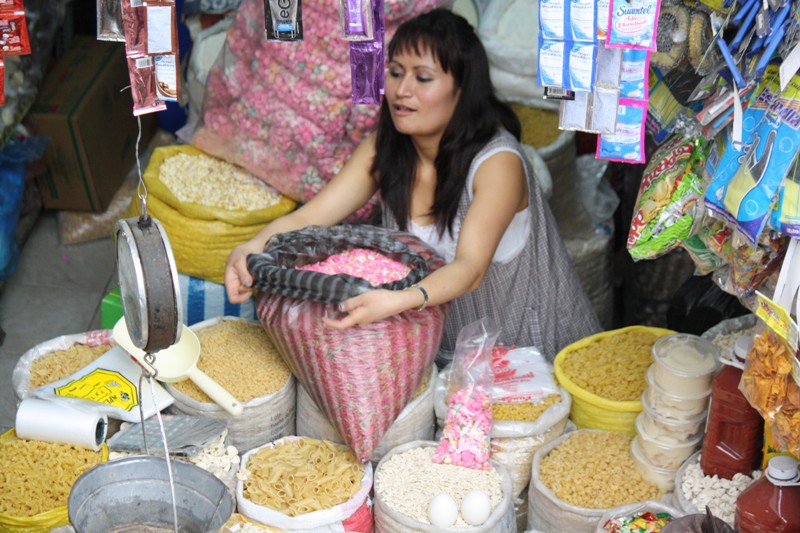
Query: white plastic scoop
177, 363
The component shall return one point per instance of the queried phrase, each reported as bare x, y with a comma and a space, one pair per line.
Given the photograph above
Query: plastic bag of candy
467, 429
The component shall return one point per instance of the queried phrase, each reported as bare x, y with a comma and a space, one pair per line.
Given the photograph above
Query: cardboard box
92, 128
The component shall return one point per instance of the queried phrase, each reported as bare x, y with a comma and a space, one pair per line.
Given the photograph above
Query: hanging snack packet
633, 24
134, 18
109, 21
626, 144
284, 20
356, 20
367, 63
751, 266
706, 246
142, 74
14, 39
466, 437
666, 207
747, 181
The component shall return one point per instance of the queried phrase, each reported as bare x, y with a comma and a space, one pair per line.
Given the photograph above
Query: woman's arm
499, 191
348, 191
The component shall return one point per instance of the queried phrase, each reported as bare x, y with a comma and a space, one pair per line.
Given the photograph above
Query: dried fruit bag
666, 207
361, 377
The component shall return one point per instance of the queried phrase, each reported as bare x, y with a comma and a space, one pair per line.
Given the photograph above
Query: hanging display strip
151, 46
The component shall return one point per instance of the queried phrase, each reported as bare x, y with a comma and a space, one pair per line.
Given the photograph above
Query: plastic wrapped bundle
364, 376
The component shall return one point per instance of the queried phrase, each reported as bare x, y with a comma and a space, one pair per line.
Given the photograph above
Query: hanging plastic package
633, 78
666, 206
367, 61
134, 18
633, 25
706, 246
283, 20
749, 266
746, 183
626, 144
14, 33
109, 21
142, 73
356, 20
12, 182
364, 376
785, 218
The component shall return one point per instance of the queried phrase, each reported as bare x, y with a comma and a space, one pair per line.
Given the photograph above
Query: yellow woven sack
201, 237
42, 522
590, 411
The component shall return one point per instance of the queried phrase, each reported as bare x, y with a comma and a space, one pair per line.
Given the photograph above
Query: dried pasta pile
240, 357
613, 366
36, 477
63, 363
299, 476
595, 470
523, 412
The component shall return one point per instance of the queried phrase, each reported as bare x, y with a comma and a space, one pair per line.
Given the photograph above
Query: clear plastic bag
466, 436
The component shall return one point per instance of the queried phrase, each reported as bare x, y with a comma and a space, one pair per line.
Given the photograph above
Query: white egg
443, 510
476, 506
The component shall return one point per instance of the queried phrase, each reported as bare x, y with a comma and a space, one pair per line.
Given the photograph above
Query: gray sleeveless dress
536, 298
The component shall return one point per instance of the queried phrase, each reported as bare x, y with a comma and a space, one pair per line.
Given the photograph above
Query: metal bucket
133, 494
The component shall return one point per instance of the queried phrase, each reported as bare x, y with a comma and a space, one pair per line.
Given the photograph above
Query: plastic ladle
179, 362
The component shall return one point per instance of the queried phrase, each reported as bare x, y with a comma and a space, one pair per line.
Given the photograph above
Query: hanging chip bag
361, 377
667, 205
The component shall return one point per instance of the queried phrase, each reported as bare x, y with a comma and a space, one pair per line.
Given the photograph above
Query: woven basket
590, 411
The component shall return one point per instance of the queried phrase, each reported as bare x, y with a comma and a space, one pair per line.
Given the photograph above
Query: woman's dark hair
477, 116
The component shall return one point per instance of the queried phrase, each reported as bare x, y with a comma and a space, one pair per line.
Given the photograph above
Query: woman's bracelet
424, 296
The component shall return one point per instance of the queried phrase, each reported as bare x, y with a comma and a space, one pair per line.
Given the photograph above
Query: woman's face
421, 96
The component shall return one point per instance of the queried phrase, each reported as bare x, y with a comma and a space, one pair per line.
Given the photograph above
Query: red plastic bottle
735, 431
768, 507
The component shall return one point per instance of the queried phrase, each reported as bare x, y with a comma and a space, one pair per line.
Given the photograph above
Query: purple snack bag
367, 64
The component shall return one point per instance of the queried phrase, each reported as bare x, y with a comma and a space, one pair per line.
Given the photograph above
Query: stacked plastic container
675, 405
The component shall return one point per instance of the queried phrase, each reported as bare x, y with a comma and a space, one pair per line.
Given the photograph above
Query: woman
447, 162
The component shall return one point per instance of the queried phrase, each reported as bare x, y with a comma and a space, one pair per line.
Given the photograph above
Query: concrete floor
55, 290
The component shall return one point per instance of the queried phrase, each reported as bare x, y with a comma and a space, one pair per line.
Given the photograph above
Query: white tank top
510, 245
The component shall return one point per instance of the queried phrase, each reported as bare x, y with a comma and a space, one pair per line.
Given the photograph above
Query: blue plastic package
583, 20
553, 17
747, 181
633, 81
626, 144
552, 59
12, 188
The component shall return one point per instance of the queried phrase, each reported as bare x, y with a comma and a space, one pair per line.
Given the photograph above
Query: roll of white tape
57, 422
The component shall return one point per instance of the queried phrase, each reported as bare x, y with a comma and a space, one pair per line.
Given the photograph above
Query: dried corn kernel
212, 182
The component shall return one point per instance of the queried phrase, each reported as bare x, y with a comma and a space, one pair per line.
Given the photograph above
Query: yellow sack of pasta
207, 206
38, 477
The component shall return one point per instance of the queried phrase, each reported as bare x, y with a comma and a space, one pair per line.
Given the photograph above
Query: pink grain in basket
362, 263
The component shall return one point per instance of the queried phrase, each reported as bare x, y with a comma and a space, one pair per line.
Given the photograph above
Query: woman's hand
373, 306
238, 282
